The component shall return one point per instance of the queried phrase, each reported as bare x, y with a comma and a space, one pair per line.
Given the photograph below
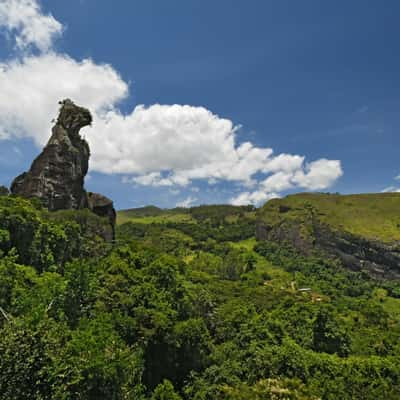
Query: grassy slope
374, 216
151, 214
161, 219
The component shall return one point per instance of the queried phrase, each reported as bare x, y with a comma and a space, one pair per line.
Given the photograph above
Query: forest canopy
184, 305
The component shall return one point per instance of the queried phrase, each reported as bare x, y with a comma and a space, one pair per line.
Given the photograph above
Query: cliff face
57, 175
362, 231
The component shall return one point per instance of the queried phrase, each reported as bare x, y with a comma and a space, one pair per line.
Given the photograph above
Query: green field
153, 215
124, 216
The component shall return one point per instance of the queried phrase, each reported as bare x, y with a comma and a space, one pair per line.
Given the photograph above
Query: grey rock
4, 191
379, 260
57, 175
104, 207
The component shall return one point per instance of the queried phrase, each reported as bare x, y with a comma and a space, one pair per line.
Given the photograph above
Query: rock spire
57, 175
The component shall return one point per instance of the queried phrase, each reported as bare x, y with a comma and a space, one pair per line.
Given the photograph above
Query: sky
205, 102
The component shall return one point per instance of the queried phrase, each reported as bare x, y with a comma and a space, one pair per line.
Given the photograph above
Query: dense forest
185, 304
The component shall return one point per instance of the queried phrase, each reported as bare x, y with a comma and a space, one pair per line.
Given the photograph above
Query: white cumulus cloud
316, 175
256, 197
279, 181
391, 189
29, 25
31, 88
178, 138
186, 203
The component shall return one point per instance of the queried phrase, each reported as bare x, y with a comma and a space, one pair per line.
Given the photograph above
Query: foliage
165, 391
46, 240
184, 308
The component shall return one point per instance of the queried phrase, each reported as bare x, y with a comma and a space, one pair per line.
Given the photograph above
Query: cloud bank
158, 145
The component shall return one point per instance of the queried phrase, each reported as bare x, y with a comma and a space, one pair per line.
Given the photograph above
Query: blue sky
309, 79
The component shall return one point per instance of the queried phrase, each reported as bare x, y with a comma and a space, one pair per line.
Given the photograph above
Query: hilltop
217, 212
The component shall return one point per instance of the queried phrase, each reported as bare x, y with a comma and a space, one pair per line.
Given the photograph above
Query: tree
165, 391
328, 337
97, 364
25, 360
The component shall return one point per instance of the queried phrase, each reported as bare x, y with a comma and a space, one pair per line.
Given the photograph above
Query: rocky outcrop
104, 207
378, 259
4, 191
358, 253
57, 175
305, 228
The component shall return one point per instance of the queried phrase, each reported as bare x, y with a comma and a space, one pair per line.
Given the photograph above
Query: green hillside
186, 304
152, 214
148, 215
374, 216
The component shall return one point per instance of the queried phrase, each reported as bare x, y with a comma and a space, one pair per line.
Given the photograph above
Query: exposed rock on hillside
104, 207
354, 229
56, 176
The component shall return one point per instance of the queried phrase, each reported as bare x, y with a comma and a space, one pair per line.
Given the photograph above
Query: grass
199, 214
374, 216
247, 244
126, 216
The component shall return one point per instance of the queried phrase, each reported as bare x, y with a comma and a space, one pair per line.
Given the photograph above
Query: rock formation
357, 253
315, 229
103, 207
56, 176
3, 191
